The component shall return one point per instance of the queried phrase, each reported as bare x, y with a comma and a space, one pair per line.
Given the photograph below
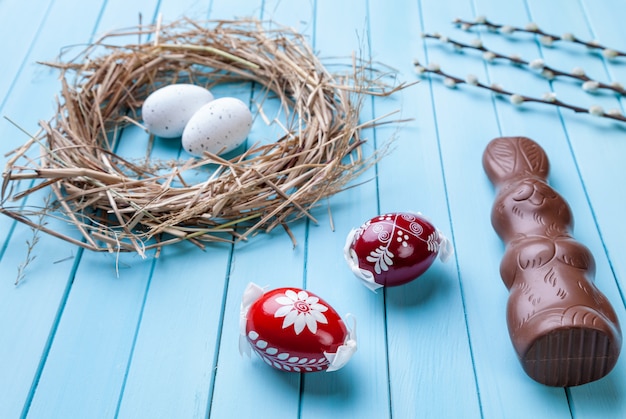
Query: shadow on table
327, 384
434, 285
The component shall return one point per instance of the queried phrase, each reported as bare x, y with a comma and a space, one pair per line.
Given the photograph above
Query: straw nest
119, 205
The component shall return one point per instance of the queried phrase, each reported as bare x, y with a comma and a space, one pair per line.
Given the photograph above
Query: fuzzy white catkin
481, 19
476, 43
614, 112
472, 80
549, 97
547, 74
596, 110
547, 41
590, 86
449, 82
516, 99
536, 64
531, 27
593, 43
489, 56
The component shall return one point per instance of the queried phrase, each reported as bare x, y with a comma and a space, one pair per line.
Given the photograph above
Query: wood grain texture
94, 335
268, 261
30, 314
426, 315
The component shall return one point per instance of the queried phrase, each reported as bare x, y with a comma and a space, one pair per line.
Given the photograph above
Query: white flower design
433, 242
300, 310
382, 258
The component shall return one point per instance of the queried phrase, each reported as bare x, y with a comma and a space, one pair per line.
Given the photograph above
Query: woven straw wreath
119, 205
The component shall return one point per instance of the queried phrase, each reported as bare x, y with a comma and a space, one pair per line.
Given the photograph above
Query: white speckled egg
167, 111
218, 127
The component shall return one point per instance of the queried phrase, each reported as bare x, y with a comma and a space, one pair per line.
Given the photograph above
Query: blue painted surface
86, 335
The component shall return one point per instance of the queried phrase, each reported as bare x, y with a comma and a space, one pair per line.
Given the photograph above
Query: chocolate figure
564, 330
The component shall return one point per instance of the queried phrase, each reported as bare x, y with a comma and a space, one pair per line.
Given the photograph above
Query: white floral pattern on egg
394, 248
167, 110
218, 127
294, 330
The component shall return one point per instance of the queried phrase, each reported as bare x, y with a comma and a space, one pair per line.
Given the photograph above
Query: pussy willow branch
516, 98
545, 37
548, 72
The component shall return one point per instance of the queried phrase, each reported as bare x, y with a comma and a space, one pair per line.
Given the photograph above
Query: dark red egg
294, 330
393, 249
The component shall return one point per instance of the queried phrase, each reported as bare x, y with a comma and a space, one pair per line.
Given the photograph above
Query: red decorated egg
393, 249
294, 330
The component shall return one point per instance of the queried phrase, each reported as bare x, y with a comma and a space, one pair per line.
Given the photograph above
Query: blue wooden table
102, 335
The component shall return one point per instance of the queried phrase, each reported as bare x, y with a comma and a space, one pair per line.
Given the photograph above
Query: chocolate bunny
564, 330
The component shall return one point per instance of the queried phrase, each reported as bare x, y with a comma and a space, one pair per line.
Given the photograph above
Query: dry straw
118, 205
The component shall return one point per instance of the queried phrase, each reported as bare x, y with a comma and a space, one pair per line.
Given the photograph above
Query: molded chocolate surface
564, 330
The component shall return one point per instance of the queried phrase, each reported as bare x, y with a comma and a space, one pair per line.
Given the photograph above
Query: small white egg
167, 111
218, 127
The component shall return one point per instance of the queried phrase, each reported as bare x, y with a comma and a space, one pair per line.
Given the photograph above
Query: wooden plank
261, 391
99, 309
161, 340
28, 314
173, 361
515, 121
29, 311
425, 319
466, 121
170, 373
599, 143
360, 389
84, 372
595, 143
16, 39
270, 261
